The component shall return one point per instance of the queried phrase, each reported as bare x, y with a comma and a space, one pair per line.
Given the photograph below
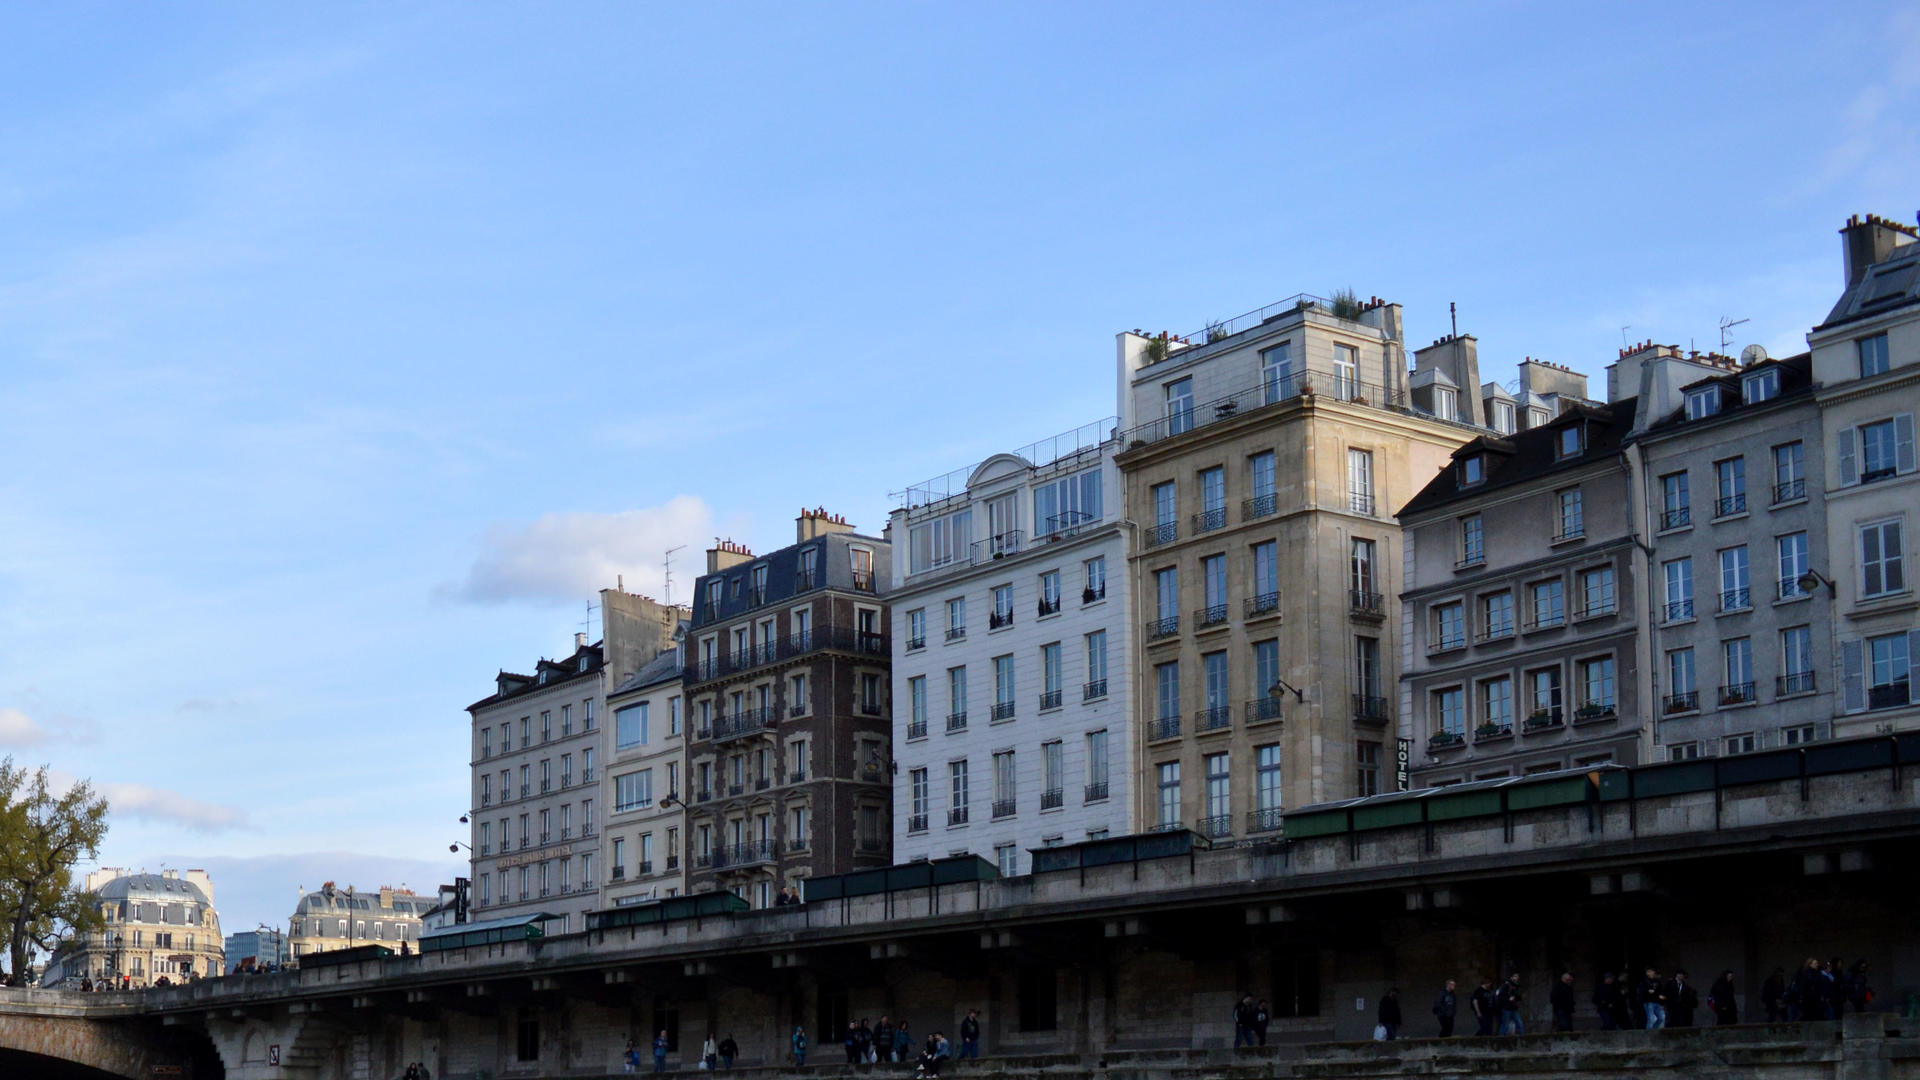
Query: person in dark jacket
1682, 1000
660, 1047
1390, 1013
903, 1042
1773, 995
1724, 999
1807, 993
1445, 1007
970, 1036
1653, 1000
1507, 1001
1603, 996
1837, 989
1481, 1001
1561, 999
1859, 988
1262, 1015
852, 1042
728, 1051
1243, 1021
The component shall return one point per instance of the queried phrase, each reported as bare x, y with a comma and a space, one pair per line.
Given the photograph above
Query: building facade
1866, 365
344, 918
1518, 620
256, 950
646, 811
1012, 665
787, 694
539, 744
157, 926
1262, 467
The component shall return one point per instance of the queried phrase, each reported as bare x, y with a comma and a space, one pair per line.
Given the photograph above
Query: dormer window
1703, 402
1537, 417
1473, 470
1569, 444
1443, 404
583, 661
1503, 417
1761, 386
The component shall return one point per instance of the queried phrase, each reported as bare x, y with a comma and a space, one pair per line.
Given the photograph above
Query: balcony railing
1164, 533
1567, 533
1213, 718
1216, 826
957, 815
646, 866
1369, 707
1096, 792
1594, 710
1546, 621
863, 581
1267, 820
998, 619
1490, 731
869, 707
1729, 505
1048, 607
1676, 518
1270, 389
746, 854
673, 863
1360, 502
1445, 740
1002, 710
845, 639
1052, 798
797, 775
807, 578
1473, 558
1004, 808
1541, 719
1736, 694
1597, 606
1166, 727
1799, 682
1451, 639
955, 633
916, 823
1888, 695
1262, 709
1163, 628
1789, 491
1362, 602
1095, 689
916, 643
1789, 589
1497, 632
1090, 594
1212, 615
1258, 507
957, 721
1266, 603
1049, 699
743, 723
1685, 701
1679, 609
1740, 599
916, 729
1208, 520
997, 547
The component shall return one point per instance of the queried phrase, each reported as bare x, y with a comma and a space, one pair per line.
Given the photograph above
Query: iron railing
1265, 820
1736, 599
1369, 707
1259, 506
1362, 602
1213, 718
1685, 701
1263, 708
1051, 798
1095, 689
1729, 505
1212, 615
1002, 710
1166, 727
1678, 517
1789, 491
1097, 791
1162, 628
957, 721
1266, 603
1798, 682
1208, 520
1049, 699
1164, 533
1737, 694
843, 639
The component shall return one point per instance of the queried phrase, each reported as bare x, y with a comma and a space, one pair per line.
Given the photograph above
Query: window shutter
1903, 442
1849, 474
1853, 676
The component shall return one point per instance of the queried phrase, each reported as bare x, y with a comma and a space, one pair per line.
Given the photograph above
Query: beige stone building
331, 918
1263, 466
646, 811
158, 926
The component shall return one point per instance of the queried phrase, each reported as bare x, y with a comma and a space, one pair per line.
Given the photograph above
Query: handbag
1379, 1033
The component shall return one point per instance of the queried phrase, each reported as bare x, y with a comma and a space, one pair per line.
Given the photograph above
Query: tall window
1366, 673
1796, 660
1219, 796
1596, 591
1736, 584
1214, 666
1166, 507
957, 692
1096, 664
1444, 403
1002, 605
1096, 587
1213, 495
1179, 406
1675, 507
1791, 551
1213, 574
918, 786
1361, 569
1003, 688
1346, 372
1681, 680
957, 791
1882, 566
1543, 690
1679, 578
1737, 656
1049, 592
1166, 587
1360, 481
1496, 702
1449, 625
1573, 521
1596, 684
1450, 711
916, 706
934, 543
1167, 775
1266, 779
1096, 765
1266, 673
1496, 614
1053, 772
1261, 481
1277, 374
1367, 758
1730, 486
1547, 603
1789, 472
916, 628
1061, 506
1167, 689
631, 725
1050, 676
1886, 449
1003, 525
1473, 540
1004, 795
1874, 356
1503, 417
1266, 576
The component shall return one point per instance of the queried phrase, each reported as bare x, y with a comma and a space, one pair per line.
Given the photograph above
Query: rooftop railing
1062, 447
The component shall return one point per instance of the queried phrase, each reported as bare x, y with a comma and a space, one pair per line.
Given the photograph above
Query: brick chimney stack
726, 553
817, 522
1869, 240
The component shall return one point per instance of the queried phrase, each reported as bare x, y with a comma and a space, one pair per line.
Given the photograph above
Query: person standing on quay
1444, 1007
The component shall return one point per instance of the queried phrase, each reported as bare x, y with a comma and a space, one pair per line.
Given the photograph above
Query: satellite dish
1753, 354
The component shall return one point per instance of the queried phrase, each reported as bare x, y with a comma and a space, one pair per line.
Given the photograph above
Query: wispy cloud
566, 556
19, 729
170, 807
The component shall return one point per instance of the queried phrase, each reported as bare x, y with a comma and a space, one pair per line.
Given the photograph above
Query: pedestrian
970, 1036
1859, 988
1390, 1014
1507, 1002
883, 1039
902, 1043
728, 1051
1444, 1007
709, 1053
1262, 1015
799, 1046
852, 1042
1724, 999
1653, 1000
863, 1043
660, 1052
1603, 1001
1243, 1021
1773, 995
1560, 998
1682, 1000
1481, 1002
1836, 989
630, 1059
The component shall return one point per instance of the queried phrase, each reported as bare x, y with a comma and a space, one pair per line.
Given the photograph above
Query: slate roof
1518, 458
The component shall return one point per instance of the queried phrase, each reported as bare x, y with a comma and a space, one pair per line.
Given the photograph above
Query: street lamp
1811, 578
1281, 684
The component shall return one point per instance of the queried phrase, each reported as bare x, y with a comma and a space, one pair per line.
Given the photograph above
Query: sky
347, 350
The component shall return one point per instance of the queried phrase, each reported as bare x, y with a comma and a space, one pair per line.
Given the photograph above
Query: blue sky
348, 349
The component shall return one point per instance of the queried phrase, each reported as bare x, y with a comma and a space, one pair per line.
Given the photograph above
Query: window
630, 726
673, 716
1676, 511
1496, 702
1703, 402
957, 792
1449, 625
1361, 572
1346, 372
1568, 444
1450, 711
1546, 603
1679, 578
1003, 688
1219, 808
1096, 665
1796, 660
1761, 386
1213, 499
1096, 580
1165, 504
1213, 668
1167, 776
1473, 541
1596, 591
1063, 505
619, 860
1261, 484
1730, 479
956, 696
1053, 772
956, 618
1473, 470
1444, 406
566, 770
1496, 614
1007, 858
1503, 418
1543, 694
1050, 676
1002, 607
1739, 744
1166, 587
1683, 688
1167, 689
1874, 357
1266, 578
797, 760
1049, 592
486, 789
1789, 472
1213, 577
1179, 406
800, 822
1878, 671
1737, 660
1360, 481
917, 785
1004, 794
1268, 793
1791, 552
936, 543
1367, 756
1573, 522
1266, 673
1686, 751
1096, 765
1366, 663
1885, 449
1882, 567
633, 791
486, 742
1597, 686
1277, 374
917, 628
1736, 591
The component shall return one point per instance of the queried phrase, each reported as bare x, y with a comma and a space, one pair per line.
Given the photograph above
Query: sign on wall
1403, 765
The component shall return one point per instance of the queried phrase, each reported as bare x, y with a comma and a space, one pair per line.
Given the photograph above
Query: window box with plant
1543, 718
1594, 710
1491, 731
1442, 740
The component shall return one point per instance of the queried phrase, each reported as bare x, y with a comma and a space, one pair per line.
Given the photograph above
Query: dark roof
153, 887
783, 573
1886, 286
547, 673
662, 668
1517, 458
1796, 380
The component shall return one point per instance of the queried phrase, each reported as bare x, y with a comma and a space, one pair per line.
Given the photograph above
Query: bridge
1132, 952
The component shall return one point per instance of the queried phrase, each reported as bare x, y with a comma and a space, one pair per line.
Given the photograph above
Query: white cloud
569, 556
19, 729
169, 807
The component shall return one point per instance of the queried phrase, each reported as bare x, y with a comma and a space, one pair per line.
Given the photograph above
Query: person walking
710, 1052
1243, 1021
1859, 987
970, 1036
1653, 1000
883, 1039
852, 1042
1560, 999
1507, 1002
1481, 1002
1444, 1008
863, 1043
631, 1058
728, 1051
660, 1052
1724, 999
1262, 1015
1682, 1000
1603, 1001
799, 1046
902, 1043
1390, 1013
1773, 995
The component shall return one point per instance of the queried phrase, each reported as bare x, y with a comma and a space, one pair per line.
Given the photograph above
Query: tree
42, 837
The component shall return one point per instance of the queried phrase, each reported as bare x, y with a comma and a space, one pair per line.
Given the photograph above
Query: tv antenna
1727, 324
1623, 335
669, 561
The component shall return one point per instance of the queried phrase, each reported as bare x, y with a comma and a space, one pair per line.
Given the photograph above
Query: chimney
1540, 377
817, 522
1457, 356
724, 554
579, 641
1869, 240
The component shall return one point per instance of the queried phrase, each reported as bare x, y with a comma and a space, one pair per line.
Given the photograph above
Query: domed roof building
158, 926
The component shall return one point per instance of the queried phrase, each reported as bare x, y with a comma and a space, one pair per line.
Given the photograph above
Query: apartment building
1012, 664
1262, 464
646, 811
331, 918
538, 748
153, 926
787, 693
1866, 365
1518, 618
1728, 460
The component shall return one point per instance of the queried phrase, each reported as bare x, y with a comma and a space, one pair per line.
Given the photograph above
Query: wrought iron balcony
916, 823
1267, 820
1213, 718
1489, 732
746, 854
1208, 520
743, 723
1679, 609
1262, 709
1166, 727
1574, 531
1360, 502
1369, 604
1049, 607
1004, 808
1096, 792
957, 815
916, 729
1445, 740
1258, 507
1267, 603
1737, 694
673, 862
1474, 557
1676, 518
996, 547
1163, 628
646, 866
1686, 701
1049, 699
1095, 689
1548, 620
1740, 599
1051, 798
998, 619
1497, 632
1369, 707
1730, 504
1215, 827
955, 633
1090, 594
1002, 710
917, 642
1799, 682
1789, 491
1541, 719
1594, 710
1164, 533
1212, 615
957, 721
797, 776
1452, 640
863, 581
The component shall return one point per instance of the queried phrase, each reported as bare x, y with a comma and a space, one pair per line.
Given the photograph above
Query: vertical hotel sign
1402, 764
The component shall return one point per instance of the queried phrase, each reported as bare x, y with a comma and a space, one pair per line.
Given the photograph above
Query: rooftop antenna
1727, 324
1623, 335
669, 561
1453, 317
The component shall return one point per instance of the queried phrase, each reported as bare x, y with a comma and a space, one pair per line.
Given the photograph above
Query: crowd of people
868, 1044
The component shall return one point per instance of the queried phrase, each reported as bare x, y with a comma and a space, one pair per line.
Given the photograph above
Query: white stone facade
1014, 540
